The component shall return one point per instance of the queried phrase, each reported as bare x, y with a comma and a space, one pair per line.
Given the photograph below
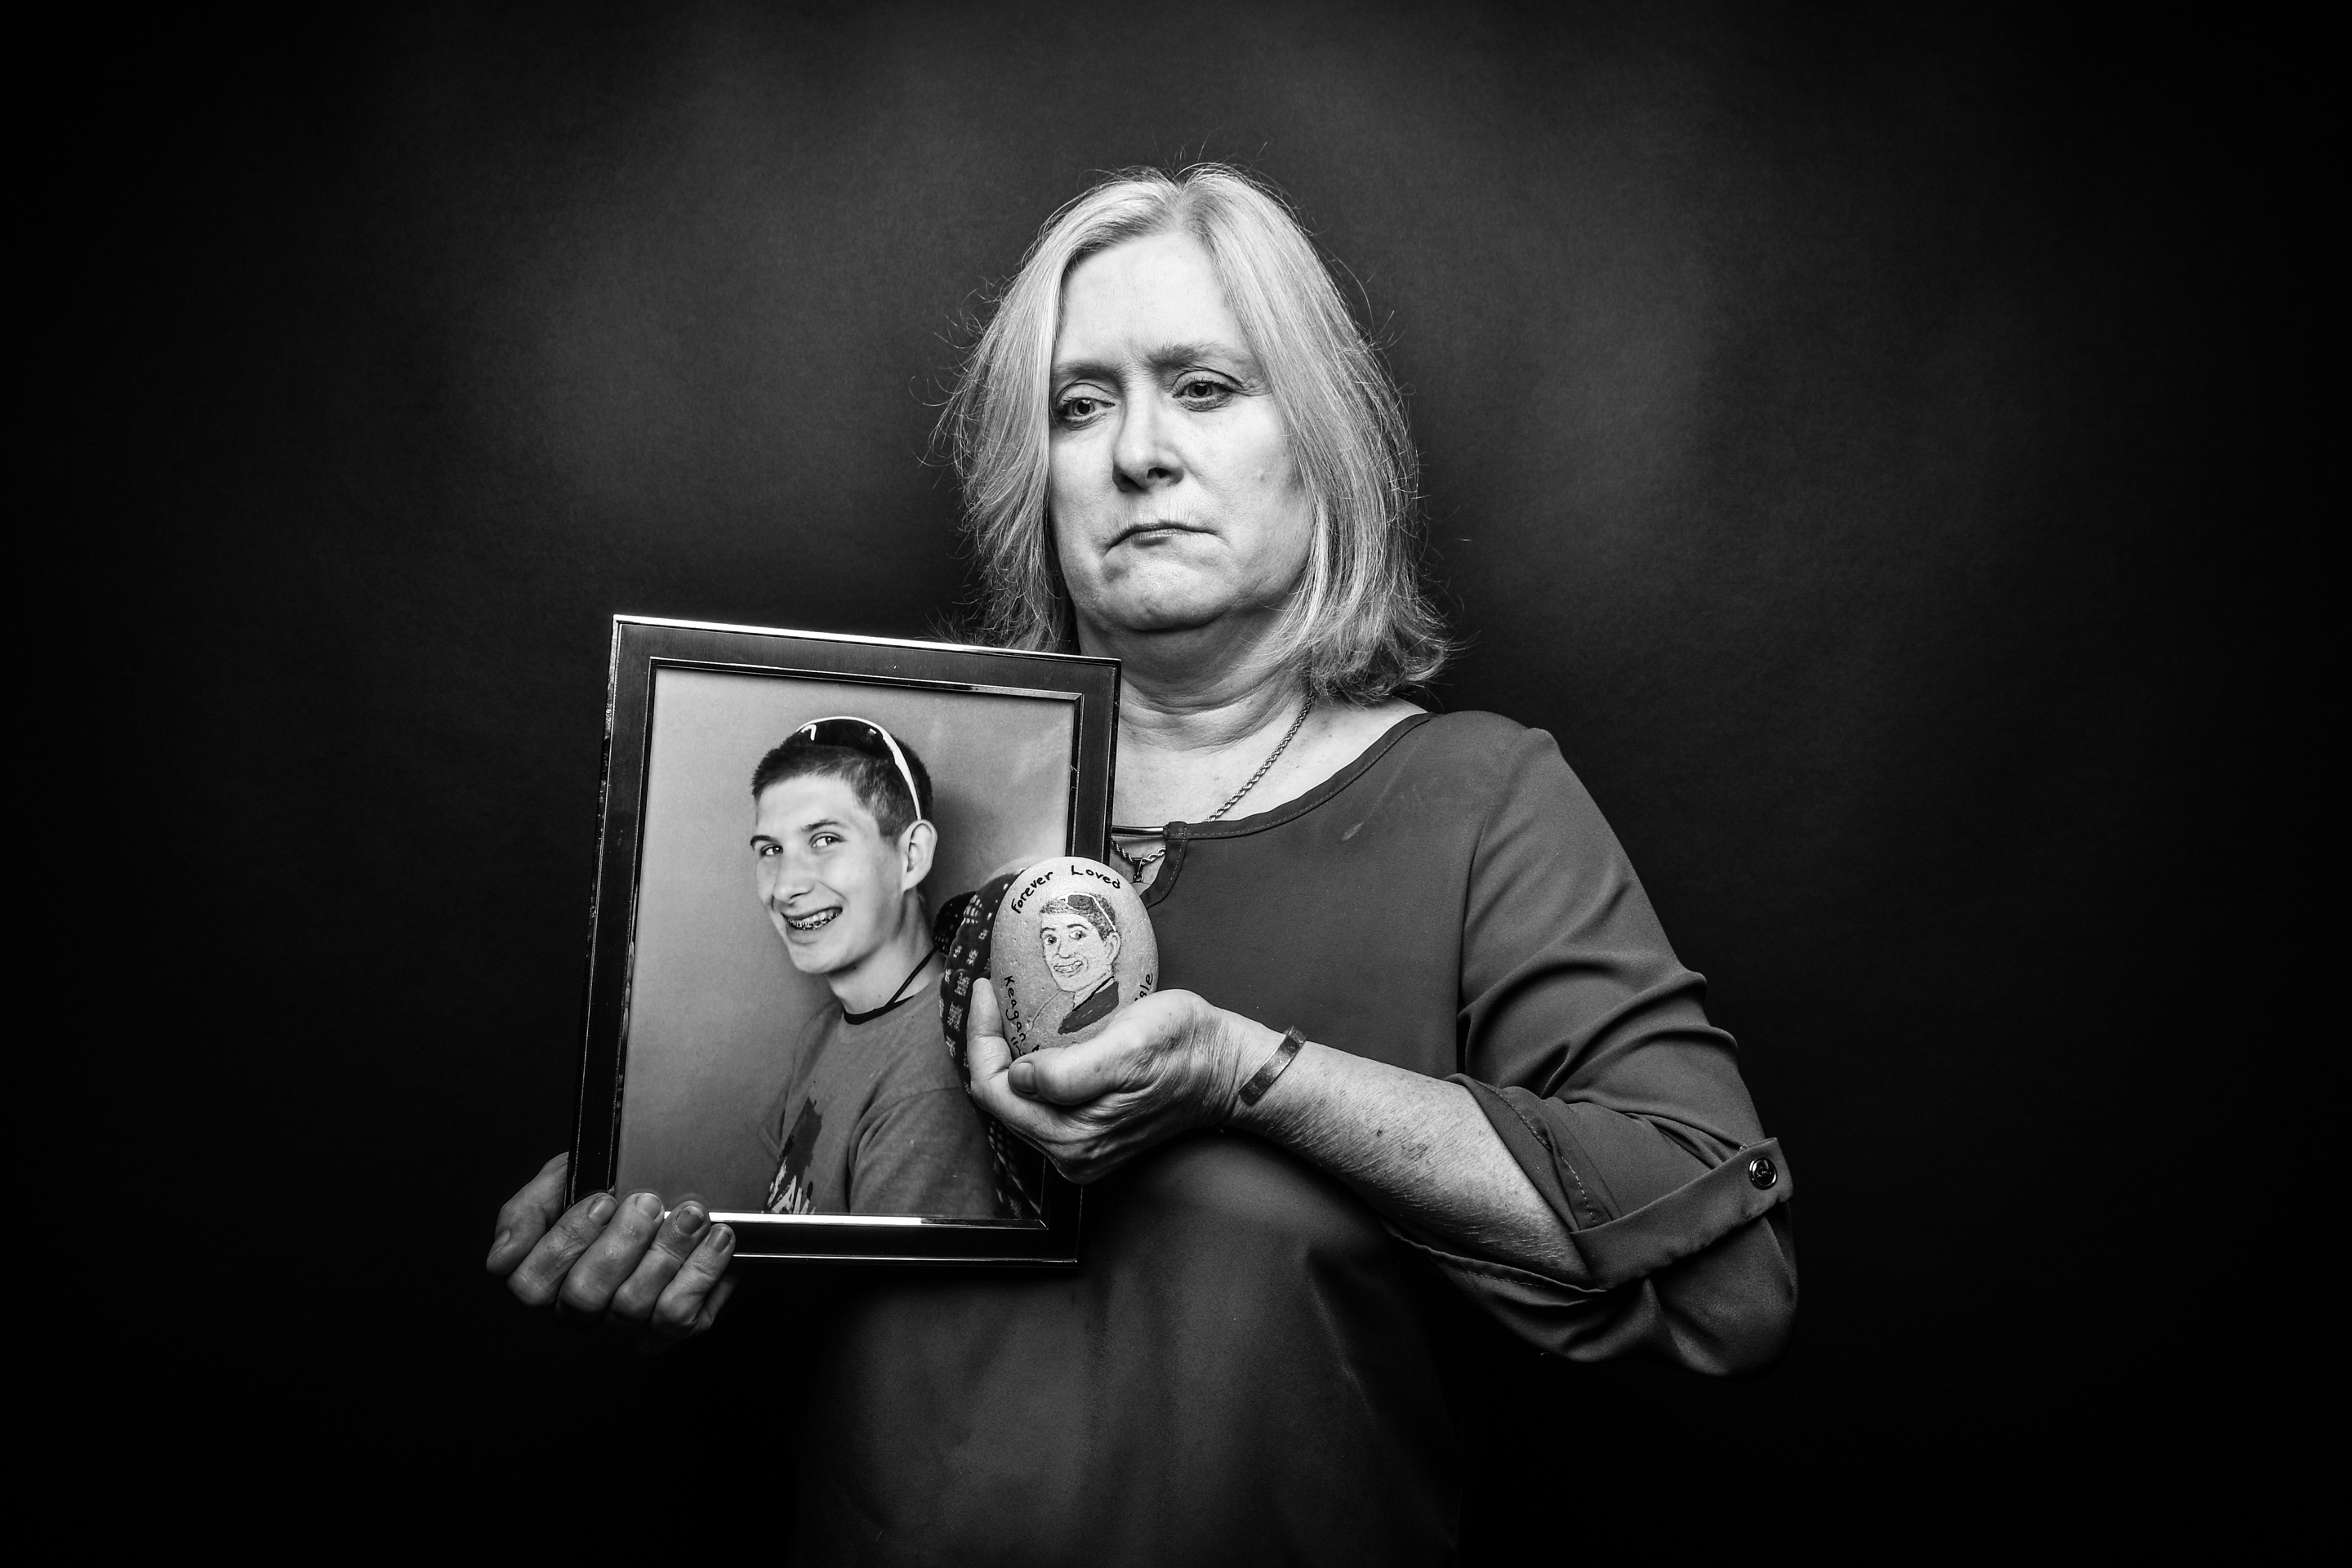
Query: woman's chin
1165, 593
1199, 608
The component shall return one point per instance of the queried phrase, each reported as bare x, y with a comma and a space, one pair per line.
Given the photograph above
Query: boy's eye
823, 840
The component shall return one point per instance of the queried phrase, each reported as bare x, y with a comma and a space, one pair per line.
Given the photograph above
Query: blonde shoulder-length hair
1358, 625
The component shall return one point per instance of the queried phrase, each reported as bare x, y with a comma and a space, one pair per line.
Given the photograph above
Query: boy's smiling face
1075, 952
831, 884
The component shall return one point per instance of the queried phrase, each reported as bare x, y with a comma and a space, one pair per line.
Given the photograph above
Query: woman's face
1174, 498
1075, 952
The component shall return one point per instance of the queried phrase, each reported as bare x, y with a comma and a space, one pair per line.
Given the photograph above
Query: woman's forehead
1144, 301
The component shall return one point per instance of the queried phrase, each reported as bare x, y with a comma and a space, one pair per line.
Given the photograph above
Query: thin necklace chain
1235, 799
1273, 757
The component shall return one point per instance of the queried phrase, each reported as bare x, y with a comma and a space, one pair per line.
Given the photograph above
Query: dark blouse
1242, 1368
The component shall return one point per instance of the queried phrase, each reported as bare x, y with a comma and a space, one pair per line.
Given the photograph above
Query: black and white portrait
1633, 619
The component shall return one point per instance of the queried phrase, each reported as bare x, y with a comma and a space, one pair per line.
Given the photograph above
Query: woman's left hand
1163, 1064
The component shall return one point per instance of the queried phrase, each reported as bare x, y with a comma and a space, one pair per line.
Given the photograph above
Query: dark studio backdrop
1819, 415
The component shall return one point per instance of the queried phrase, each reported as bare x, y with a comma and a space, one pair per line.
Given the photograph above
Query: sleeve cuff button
1762, 1173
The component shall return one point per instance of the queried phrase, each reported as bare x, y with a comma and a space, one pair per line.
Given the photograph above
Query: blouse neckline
1177, 835
1275, 816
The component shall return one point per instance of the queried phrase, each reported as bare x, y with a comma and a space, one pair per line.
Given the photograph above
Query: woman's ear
922, 842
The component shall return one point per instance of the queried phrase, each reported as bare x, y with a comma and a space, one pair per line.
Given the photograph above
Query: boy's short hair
875, 781
1086, 905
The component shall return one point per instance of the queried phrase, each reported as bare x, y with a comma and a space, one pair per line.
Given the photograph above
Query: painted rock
1072, 944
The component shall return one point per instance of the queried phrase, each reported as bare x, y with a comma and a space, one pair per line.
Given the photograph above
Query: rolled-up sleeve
1586, 1044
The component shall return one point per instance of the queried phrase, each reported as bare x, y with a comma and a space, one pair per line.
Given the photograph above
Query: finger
613, 1256
1074, 1075
1138, 1045
656, 1340
541, 1272
717, 1301
990, 1055
690, 1302
527, 1216
987, 1017
986, 1052
992, 1088
989, 1058
674, 1243
995, 1095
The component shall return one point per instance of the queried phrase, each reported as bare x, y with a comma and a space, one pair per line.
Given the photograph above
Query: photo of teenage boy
873, 1118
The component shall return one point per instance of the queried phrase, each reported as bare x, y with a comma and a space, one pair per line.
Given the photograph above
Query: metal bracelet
1254, 1090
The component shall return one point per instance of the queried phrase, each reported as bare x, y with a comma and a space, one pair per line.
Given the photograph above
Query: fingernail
690, 1218
723, 1238
498, 1247
647, 1206
600, 1208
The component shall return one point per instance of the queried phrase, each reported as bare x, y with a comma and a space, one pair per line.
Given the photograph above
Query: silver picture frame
676, 993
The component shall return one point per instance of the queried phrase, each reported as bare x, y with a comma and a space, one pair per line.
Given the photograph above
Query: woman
1414, 983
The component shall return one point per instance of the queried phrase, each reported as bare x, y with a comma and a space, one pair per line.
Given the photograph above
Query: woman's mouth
1158, 531
817, 921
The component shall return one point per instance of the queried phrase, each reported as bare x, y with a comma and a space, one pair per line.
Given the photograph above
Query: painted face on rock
1174, 497
831, 882
1076, 954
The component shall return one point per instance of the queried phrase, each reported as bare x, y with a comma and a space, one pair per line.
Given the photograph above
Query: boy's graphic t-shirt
874, 1120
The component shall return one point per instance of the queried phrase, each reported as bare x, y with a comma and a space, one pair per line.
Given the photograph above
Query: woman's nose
1143, 454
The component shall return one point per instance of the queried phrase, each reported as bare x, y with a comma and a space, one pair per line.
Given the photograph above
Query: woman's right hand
661, 1279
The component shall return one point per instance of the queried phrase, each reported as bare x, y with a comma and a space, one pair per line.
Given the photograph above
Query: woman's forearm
1416, 1148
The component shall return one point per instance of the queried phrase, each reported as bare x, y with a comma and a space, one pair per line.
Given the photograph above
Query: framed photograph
760, 874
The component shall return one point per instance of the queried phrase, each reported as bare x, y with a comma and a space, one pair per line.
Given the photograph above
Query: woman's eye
1077, 410
1201, 391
